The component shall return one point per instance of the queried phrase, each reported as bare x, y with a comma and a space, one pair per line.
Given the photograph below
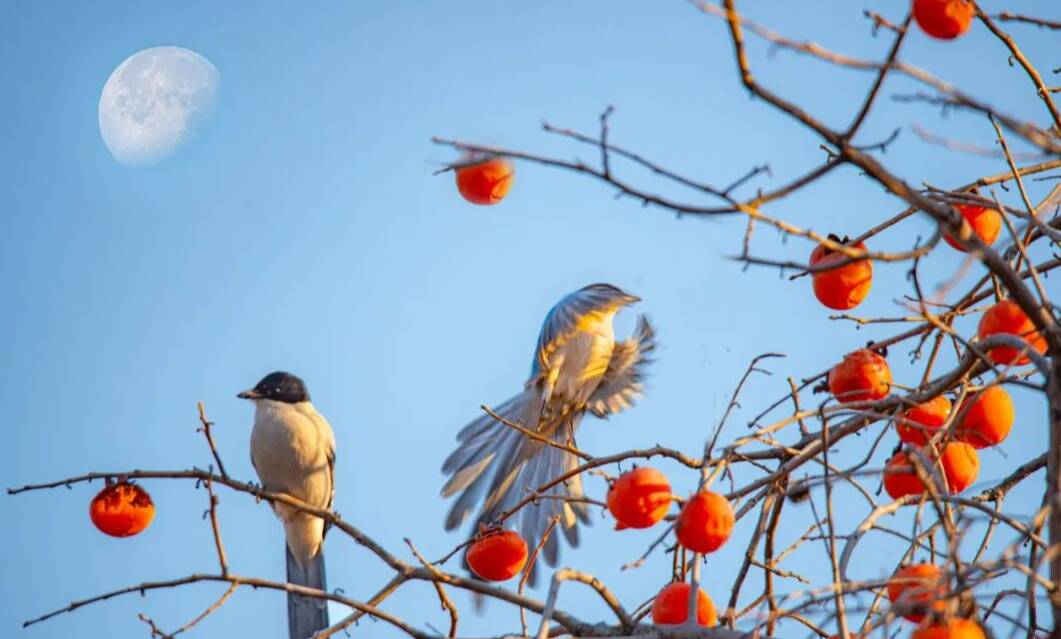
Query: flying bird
293, 451
578, 367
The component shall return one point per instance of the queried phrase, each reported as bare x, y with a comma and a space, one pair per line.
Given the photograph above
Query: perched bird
293, 450
578, 366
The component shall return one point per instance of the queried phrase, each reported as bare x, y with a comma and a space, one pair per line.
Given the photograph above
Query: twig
530, 567
222, 560
204, 428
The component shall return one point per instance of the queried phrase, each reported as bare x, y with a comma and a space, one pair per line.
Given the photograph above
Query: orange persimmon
918, 424
988, 418
486, 182
900, 477
844, 287
862, 375
915, 587
122, 510
671, 606
944, 19
705, 523
985, 223
497, 555
953, 629
961, 466
1007, 318
639, 498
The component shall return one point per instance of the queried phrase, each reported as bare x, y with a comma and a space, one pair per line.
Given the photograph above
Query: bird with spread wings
578, 367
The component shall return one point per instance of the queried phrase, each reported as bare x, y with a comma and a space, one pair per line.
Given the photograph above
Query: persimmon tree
918, 440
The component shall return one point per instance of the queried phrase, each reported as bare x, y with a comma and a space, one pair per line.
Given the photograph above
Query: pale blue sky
304, 231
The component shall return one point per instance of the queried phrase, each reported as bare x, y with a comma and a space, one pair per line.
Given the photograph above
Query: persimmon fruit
862, 375
953, 629
497, 555
943, 19
639, 498
900, 477
961, 466
915, 587
122, 510
705, 523
486, 182
988, 418
844, 287
671, 606
918, 424
985, 223
1007, 318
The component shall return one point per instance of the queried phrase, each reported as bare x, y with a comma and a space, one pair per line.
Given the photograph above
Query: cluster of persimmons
944, 433
939, 434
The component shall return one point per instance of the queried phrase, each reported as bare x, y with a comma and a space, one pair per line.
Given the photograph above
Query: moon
154, 102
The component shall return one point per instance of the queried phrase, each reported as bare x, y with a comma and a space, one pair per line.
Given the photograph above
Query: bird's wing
563, 320
622, 381
330, 443
316, 483
327, 438
331, 477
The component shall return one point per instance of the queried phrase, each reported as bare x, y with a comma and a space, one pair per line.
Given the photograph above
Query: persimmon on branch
790, 456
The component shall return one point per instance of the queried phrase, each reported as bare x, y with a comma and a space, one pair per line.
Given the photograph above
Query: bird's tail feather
485, 446
498, 464
546, 465
306, 615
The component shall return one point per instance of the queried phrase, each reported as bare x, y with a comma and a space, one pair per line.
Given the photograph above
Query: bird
578, 367
293, 452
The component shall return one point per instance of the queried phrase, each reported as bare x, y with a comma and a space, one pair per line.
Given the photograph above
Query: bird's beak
250, 394
632, 299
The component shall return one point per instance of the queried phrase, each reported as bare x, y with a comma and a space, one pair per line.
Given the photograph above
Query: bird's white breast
290, 447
